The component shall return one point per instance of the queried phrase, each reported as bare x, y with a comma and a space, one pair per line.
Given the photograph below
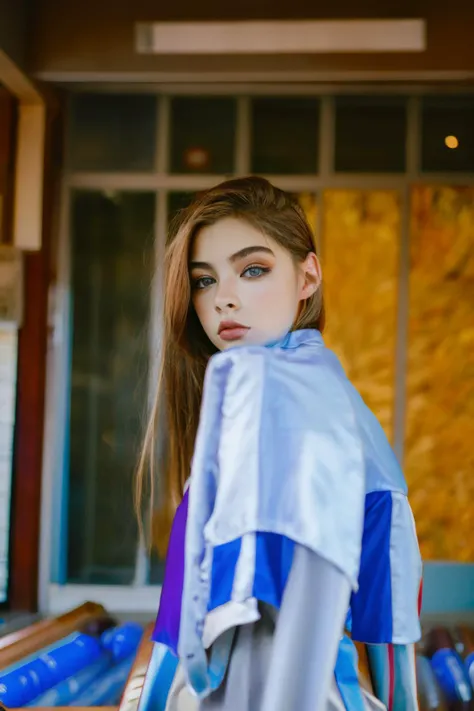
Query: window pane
202, 135
157, 569
285, 135
439, 454
361, 230
113, 132
447, 134
112, 262
370, 134
178, 201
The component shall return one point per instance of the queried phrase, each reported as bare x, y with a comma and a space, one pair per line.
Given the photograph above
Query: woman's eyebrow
241, 254
246, 251
199, 265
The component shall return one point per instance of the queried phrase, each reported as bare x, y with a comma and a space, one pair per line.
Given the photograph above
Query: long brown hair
186, 348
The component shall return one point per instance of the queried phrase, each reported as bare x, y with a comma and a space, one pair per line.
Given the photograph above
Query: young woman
295, 521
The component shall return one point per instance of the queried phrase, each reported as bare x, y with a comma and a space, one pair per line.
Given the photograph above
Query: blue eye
203, 282
253, 272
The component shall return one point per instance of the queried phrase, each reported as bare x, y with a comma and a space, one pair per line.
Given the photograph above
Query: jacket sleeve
385, 609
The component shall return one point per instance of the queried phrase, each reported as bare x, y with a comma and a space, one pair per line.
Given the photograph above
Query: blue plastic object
107, 689
39, 653
451, 675
123, 640
25, 682
66, 691
469, 665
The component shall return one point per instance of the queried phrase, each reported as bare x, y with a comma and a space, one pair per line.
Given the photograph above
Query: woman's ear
312, 276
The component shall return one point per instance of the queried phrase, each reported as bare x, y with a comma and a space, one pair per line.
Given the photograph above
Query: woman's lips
231, 331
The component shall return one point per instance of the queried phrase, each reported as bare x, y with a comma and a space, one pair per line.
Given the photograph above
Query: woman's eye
253, 272
203, 282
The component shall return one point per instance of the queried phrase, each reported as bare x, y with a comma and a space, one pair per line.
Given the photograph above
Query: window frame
55, 594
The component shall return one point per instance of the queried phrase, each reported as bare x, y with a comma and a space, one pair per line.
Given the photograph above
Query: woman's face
246, 288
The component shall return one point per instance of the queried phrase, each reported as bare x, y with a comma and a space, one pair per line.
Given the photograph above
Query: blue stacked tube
77, 665
22, 683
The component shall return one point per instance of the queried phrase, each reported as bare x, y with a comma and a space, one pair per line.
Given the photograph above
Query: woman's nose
226, 299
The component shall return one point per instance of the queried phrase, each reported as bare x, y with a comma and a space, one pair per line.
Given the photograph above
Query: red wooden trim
32, 346
29, 437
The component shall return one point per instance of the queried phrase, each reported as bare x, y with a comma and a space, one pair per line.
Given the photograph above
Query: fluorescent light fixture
281, 37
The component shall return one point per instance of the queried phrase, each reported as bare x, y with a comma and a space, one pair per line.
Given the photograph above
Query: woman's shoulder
299, 387
318, 364
307, 388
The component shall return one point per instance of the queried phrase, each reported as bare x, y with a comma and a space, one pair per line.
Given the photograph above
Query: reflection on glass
447, 135
112, 132
203, 135
361, 230
112, 262
439, 454
285, 135
370, 134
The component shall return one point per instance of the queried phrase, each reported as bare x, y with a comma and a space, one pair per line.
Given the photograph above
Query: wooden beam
28, 200
31, 379
17, 82
28, 205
